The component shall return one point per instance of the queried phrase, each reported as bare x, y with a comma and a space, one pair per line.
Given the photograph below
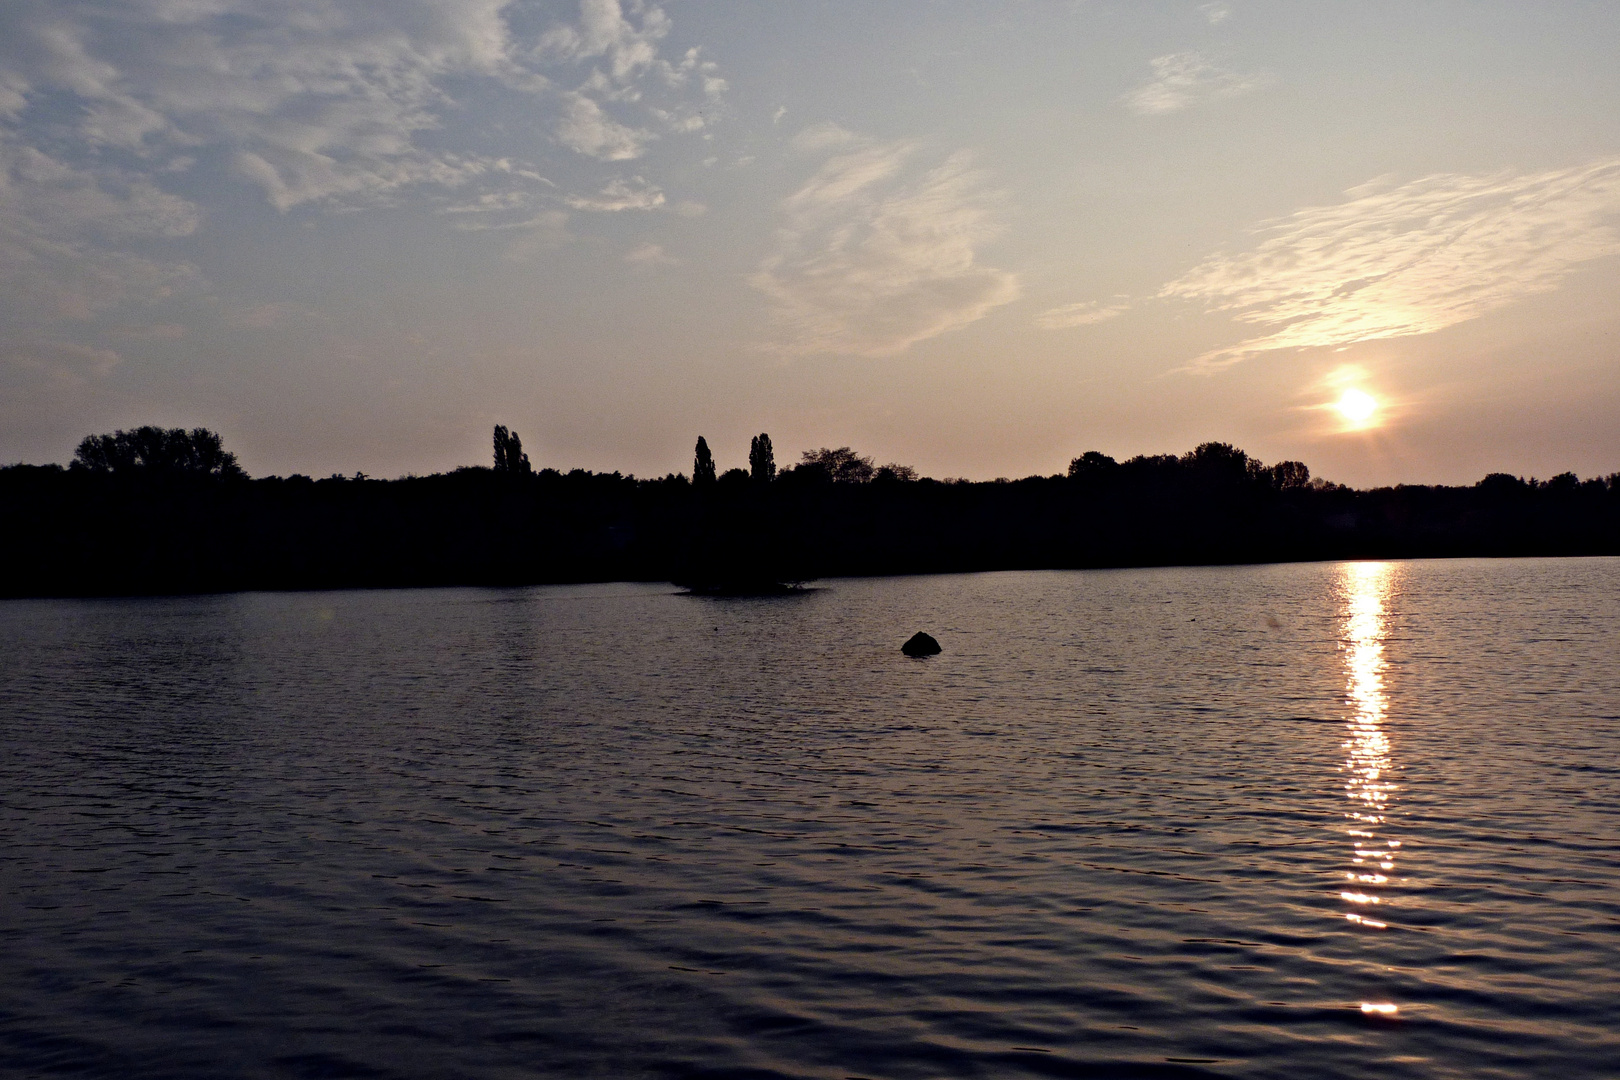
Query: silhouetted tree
1502, 485
843, 465
1217, 459
1290, 476
1563, 483
1153, 465
1090, 463
198, 452
702, 463
509, 455
762, 459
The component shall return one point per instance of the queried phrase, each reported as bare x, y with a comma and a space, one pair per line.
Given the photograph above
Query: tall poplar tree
762, 459
702, 463
509, 455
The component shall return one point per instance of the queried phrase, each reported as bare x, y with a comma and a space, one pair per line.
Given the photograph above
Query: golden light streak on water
1366, 589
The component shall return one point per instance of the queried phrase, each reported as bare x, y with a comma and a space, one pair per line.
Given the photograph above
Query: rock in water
920, 645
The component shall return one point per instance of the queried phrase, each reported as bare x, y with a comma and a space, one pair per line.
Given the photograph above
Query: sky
975, 238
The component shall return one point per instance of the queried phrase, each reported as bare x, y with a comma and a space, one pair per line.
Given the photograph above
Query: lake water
1343, 820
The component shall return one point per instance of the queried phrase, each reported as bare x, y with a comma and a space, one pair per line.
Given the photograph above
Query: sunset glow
925, 538
1357, 406
975, 240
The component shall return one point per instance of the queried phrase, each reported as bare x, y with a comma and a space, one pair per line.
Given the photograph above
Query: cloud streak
1394, 261
1187, 79
1082, 314
62, 363
618, 195
873, 256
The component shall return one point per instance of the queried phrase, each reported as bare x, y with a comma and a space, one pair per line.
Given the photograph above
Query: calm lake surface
1357, 819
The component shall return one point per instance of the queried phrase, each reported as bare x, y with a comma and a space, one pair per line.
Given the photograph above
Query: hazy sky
977, 238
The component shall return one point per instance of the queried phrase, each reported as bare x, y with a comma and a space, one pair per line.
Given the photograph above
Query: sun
1356, 406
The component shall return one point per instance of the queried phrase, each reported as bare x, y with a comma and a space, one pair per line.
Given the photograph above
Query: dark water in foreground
1282, 821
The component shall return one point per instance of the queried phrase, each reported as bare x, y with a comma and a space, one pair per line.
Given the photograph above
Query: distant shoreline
81, 533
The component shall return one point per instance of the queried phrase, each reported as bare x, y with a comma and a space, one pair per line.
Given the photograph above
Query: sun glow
1357, 406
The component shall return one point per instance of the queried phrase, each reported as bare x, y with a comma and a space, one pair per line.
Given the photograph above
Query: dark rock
920, 645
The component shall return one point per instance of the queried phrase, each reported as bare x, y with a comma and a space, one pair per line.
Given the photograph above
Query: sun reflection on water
1366, 589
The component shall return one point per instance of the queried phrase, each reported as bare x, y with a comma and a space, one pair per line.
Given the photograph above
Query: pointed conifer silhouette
509, 455
762, 459
702, 463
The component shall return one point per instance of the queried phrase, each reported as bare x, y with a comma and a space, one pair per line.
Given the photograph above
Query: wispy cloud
628, 51
106, 110
151, 332
603, 32
272, 316
66, 239
634, 194
650, 255
329, 100
824, 138
1081, 314
1183, 80
584, 127
1397, 260
1215, 13
53, 362
315, 100
873, 256
491, 202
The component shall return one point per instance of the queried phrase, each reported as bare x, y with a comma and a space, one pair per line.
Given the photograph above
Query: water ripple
1341, 820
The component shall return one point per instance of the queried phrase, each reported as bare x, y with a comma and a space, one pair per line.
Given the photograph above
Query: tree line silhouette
158, 510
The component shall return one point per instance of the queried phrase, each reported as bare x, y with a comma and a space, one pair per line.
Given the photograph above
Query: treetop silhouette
842, 466
509, 455
702, 463
762, 459
1091, 463
155, 450
1208, 465
845, 466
